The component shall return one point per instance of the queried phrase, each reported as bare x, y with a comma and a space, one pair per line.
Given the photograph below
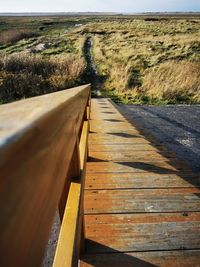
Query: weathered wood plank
139, 198
118, 136
140, 180
142, 232
126, 147
137, 166
181, 258
131, 156
142, 200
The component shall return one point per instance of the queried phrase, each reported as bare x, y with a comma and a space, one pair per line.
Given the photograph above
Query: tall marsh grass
174, 81
25, 75
14, 35
149, 61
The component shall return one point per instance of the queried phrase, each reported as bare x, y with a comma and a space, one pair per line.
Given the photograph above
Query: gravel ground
178, 127
51, 247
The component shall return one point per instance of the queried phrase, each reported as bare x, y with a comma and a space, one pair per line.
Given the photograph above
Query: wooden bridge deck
141, 205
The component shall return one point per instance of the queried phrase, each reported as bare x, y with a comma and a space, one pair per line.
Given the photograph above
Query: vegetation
27, 75
41, 58
140, 59
12, 36
149, 60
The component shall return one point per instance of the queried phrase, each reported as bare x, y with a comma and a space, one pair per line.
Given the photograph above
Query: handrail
43, 150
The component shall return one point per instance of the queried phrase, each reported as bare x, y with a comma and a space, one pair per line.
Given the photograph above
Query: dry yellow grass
173, 80
24, 75
149, 61
14, 35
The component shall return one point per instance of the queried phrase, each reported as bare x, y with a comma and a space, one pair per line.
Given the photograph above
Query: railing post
83, 159
73, 173
71, 241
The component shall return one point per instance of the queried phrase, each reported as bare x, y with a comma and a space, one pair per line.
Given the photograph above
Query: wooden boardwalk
141, 204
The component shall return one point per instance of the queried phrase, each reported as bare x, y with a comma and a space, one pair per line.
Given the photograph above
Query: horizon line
113, 12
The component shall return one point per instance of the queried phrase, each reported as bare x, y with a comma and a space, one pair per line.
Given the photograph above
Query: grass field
142, 59
150, 60
39, 55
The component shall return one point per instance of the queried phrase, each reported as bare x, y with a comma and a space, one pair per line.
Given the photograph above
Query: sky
99, 5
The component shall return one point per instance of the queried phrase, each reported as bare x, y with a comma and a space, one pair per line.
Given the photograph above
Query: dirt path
92, 73
178, 127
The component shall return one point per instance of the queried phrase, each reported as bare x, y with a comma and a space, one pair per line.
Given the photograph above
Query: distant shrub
13, 36
24, 75
155, 19
22, 62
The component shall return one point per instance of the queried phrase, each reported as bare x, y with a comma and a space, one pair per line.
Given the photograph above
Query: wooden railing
43, 150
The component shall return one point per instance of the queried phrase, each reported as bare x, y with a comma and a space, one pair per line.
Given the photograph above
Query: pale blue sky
98, 5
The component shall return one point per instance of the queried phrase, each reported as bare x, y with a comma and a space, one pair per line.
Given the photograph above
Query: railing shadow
182, 151
148, 167
113, 120
113, 257
108, 112
125, 135
180, 167
185, 173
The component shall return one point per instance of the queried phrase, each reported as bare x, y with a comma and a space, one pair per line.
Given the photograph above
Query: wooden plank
103, 116
131, 156
100, 128
126, 147
140, 180
97, 139
142, 200
139, 198
67, 250
181, 258
142, 232
143, 166
109, 123
37, 138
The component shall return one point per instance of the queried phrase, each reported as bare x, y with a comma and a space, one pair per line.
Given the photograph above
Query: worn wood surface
37, 140
142, 200
140, 180
146, 165
122, 233
186, 258
141, 205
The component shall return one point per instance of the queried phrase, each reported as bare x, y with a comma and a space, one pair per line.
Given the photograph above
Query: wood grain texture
144, 232
132, 147
140, 180
99, 138
37, 139
190, 258
149, 166
141, 202
131, 156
